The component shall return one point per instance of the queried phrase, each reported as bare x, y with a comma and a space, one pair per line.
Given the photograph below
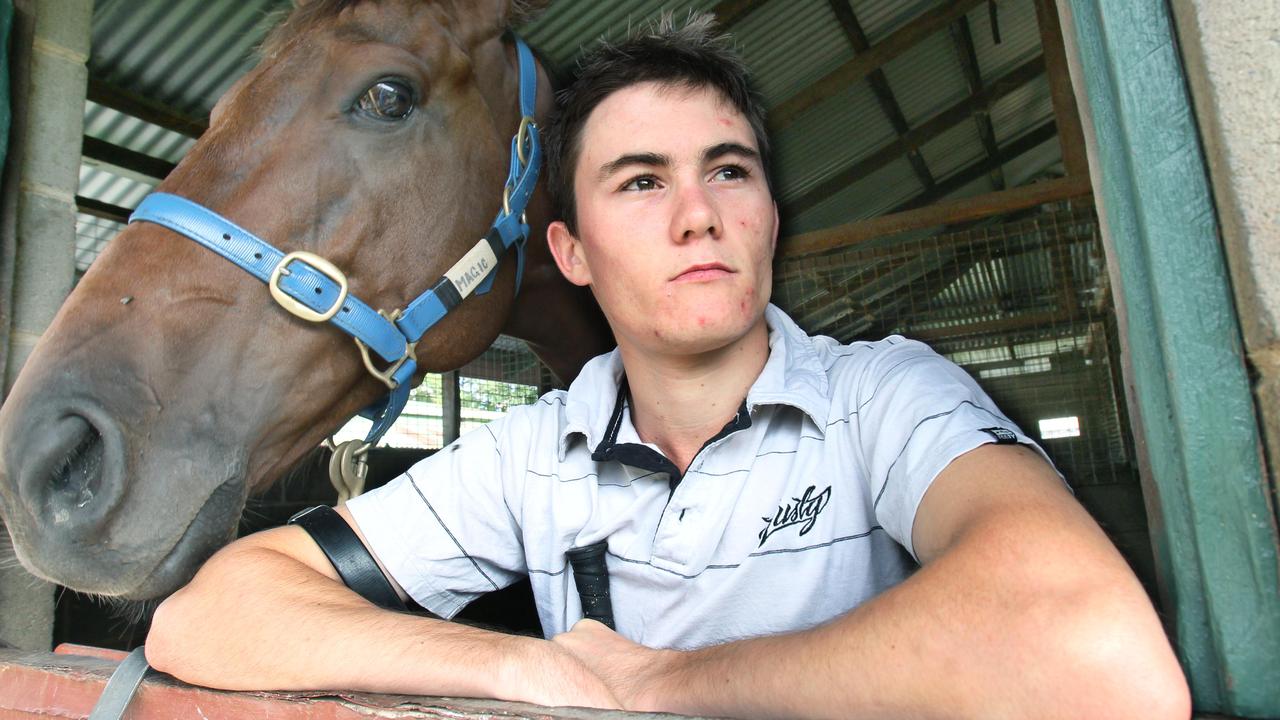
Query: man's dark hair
692, 56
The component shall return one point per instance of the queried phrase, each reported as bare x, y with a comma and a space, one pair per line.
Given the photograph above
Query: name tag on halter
472, 269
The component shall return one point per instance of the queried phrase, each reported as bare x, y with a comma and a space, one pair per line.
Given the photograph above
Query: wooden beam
99, 209
973, 78
1065, 112
880, 86
144, 108
862, 65
943, 213
917, 136
125, 159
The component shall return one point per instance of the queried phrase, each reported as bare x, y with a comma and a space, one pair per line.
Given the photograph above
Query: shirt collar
793, 375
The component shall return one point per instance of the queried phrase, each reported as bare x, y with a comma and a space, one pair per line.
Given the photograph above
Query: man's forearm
254, 618
1049, 642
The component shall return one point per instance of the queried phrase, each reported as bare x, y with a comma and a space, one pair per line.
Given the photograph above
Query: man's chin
707, 338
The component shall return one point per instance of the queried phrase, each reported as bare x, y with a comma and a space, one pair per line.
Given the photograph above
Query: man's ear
567, 251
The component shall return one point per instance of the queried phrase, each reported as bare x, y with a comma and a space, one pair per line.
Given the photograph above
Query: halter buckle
387, 376
324, 267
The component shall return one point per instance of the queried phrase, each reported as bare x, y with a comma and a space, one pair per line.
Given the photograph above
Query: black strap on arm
349, 556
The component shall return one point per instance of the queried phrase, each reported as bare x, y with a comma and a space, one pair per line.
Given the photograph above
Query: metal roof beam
973, 77
999, 328
123, 161
1023, 144
99, 209
917, 136
728, 12
880, 86
144, 108
864, 64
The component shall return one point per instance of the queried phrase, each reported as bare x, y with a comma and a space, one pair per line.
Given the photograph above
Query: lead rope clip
348, 467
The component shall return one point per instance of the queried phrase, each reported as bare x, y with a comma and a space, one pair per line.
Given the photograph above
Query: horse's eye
386, 100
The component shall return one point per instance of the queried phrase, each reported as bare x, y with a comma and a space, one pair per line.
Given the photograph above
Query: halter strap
313, 289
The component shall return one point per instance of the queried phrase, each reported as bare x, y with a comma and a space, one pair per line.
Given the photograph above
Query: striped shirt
800, 509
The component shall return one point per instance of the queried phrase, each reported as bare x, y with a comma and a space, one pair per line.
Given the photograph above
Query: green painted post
1212, 529
6, 20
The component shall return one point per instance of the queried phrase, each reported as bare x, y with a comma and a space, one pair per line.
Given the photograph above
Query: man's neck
680, 402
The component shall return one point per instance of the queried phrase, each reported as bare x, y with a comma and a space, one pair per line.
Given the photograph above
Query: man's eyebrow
644, 159
715, 152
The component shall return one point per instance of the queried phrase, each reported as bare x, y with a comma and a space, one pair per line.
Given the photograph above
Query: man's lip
701, 271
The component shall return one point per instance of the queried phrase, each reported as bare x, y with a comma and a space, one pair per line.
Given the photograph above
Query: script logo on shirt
802, 511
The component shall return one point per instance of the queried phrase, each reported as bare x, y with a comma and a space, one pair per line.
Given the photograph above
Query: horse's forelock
292, 22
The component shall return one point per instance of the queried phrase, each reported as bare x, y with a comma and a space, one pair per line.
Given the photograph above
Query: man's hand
632, 672
547, 673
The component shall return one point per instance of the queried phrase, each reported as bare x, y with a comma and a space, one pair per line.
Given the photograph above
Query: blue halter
313, 289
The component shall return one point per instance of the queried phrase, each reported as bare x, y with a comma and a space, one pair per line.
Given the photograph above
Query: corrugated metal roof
185, 53
927, 79
789, 45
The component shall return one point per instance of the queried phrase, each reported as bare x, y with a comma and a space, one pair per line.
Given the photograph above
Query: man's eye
731, 172
386, 100
641, 184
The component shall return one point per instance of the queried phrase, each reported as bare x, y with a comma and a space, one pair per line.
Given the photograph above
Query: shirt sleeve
444, 529
918, 411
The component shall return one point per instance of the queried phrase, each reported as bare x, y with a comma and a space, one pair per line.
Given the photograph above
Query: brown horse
170, 386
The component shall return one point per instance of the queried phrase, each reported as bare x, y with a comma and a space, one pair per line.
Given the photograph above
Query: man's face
676, 225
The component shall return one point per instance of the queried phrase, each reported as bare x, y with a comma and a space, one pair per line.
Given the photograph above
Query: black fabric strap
348, 555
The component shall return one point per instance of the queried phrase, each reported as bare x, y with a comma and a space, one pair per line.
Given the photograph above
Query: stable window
1059, 427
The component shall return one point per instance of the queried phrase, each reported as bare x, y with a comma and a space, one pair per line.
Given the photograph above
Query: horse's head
170, 385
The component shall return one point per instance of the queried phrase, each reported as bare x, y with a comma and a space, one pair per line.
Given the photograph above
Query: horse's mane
289, 23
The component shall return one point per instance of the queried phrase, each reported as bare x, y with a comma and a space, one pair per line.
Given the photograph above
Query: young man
761, 492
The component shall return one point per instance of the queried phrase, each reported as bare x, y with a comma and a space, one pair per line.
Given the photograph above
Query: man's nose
696, 215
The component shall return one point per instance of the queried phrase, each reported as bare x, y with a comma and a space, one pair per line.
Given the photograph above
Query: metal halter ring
387, 376
522, 136
325, 268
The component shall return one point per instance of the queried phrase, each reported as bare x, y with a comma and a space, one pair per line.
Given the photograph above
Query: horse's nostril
69, 472
77, 476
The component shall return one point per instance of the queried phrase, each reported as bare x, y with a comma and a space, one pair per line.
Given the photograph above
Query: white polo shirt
795, 513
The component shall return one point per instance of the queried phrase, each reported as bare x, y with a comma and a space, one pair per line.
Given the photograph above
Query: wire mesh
92, 235
507, 375
1021, 303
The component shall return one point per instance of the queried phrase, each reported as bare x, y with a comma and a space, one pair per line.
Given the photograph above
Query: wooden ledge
48, 685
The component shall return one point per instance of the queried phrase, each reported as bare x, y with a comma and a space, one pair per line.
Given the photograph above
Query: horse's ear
523, 11
482, 17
